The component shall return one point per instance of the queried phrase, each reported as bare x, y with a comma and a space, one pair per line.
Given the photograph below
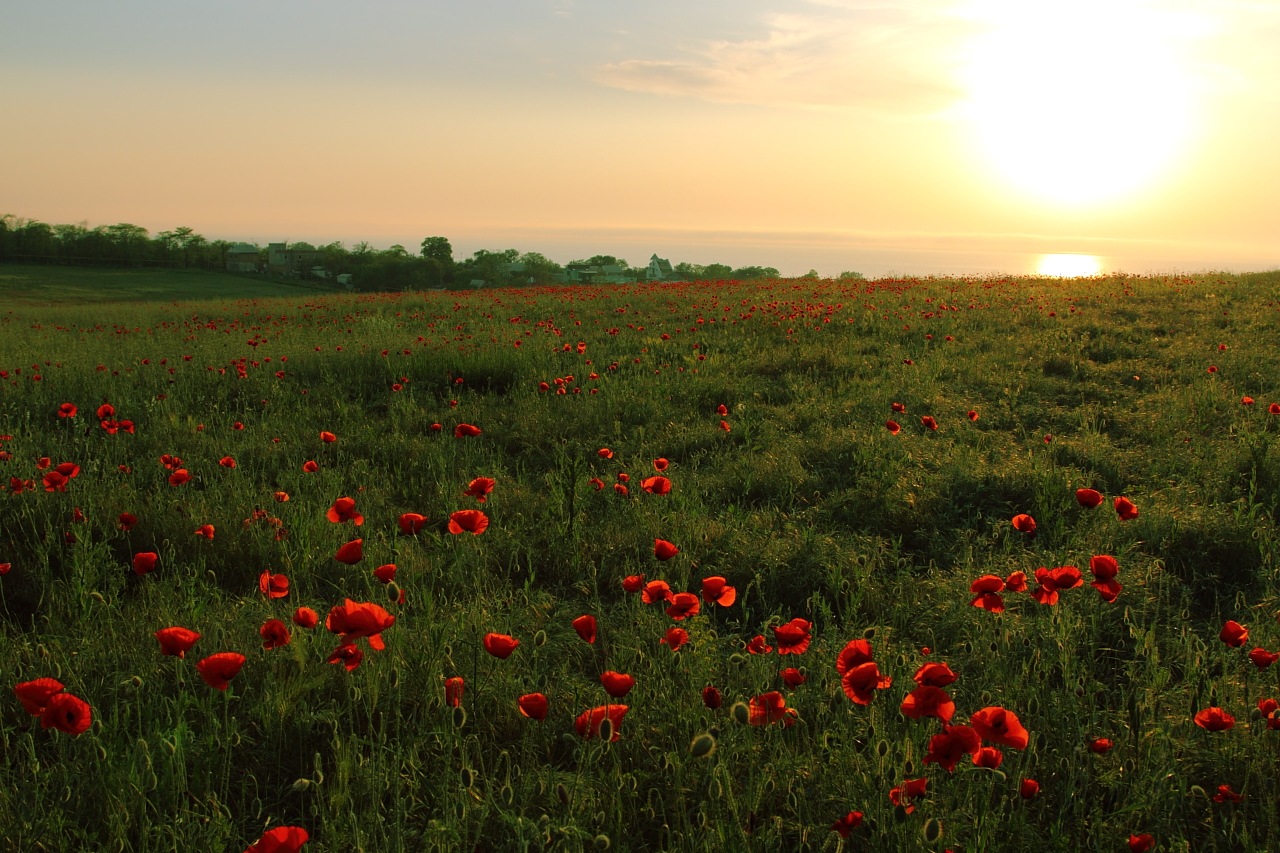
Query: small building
660, 269
281, 260
242, 257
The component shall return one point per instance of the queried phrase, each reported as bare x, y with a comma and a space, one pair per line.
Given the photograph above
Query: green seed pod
562, 793
601, 842
301, 786
459, 717
741, 712
468, 777
932, 830
702, 746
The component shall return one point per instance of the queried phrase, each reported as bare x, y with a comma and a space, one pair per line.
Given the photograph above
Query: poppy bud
702, 745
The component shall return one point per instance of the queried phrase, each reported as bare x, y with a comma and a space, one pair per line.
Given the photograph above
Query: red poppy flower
54, 482
466, 431
711, 697
533, 706
792, 677
1214, 719
596, 483
67, 713
988, 757
1246, 401
4, 568
344, 509
1226, 795
757, 645
179, 477
1000, 726
310, 467
273, 586
355, 620
987, 589
928, 701
328, 437
1261, 658
682, 605
280, 839
453, 688
281, 497
861, 682
847, 824
664, 550
655, 592
1016, 582
106, 410
1028, 789
793, 637
656, 485
145, 562
274, 634
217, 670
675, 638
934, 674
350, 552
724, 425
902, 795
893, 427
1125, 509
855, 653
348, 654
585, 626
660, 464
1101, 745
633, 584
227, 462
385, 573
1088, 498
305, 617
1141, 843
35, 695
621, 489
589, 722
604, 453
1273, 409
469, 520
617, 684
972, 415
410, 523
1024, 523
898, 408
950, 745
67, 410
1234, 634
127, 521
715, 590
500, 645
176, 641
928, 422
479, 488
768, 708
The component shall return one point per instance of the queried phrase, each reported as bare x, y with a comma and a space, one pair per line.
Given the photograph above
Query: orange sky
825, 133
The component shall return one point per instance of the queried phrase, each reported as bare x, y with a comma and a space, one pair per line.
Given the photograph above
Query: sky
913, 137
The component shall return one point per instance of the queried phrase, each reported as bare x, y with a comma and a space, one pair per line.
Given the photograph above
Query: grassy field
39, 284
856, 553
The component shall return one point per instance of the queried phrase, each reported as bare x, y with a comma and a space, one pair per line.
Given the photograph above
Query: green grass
806, 504
36, 284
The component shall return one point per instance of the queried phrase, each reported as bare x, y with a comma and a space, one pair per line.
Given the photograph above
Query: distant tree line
366, 268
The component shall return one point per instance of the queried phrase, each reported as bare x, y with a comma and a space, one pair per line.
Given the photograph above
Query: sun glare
1068, 265
1082, 103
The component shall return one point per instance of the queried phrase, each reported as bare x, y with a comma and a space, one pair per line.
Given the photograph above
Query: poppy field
909, 564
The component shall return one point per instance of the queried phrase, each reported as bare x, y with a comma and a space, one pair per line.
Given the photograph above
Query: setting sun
1079, 104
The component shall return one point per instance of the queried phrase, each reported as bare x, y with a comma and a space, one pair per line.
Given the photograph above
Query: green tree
438, 249
850, 275
755, 272
540, 268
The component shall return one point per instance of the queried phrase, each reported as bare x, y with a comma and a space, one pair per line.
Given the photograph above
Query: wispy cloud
875, 56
